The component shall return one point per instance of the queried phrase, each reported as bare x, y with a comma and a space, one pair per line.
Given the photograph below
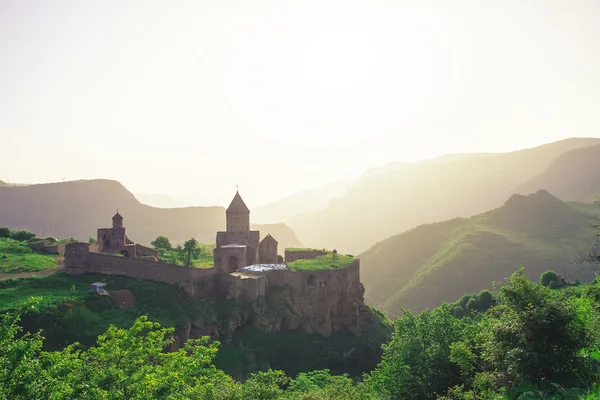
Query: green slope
439, 262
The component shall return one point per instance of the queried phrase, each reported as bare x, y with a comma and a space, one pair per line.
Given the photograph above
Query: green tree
548, 277
536, 333
162, 242
485, 300
125, 364
91, 240
416, 362
190, 252
22, 235
20, 368
4, 233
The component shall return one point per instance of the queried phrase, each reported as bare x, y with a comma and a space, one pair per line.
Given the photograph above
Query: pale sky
190, 98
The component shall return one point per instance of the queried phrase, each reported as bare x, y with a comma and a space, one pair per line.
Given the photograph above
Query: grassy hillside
326, 262
401, 196
20, 257
439, 262
78, 208
572, 176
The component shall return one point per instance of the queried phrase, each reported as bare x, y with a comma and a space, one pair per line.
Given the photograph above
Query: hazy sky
190, 98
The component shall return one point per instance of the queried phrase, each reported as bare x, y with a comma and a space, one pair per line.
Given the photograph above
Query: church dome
117, 217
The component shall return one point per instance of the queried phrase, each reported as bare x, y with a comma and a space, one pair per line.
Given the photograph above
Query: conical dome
237, 205
117, 217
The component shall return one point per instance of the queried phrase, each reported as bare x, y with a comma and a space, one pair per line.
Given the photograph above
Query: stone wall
143, 251
54, 249
267, 251
301, 280
244, 289
291, 256
317, 301
196, 282
46, 247
231, 258
314, 301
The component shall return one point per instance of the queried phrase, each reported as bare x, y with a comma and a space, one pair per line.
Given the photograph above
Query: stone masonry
315, 301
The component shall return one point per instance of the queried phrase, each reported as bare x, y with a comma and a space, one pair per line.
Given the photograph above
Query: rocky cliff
285, 331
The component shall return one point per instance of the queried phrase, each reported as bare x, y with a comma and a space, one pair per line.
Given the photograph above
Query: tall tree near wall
191, 251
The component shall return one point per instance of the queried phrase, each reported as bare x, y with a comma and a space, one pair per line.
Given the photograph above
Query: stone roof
269, 238
233, 246
117, 216
237, 205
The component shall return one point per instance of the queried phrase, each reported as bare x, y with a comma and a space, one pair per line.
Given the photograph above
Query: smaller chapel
115, 241
238, 246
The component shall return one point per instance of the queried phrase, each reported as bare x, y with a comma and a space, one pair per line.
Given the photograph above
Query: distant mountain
299, 203
158, 200
78, 208
439, 262
400, 196
571, 176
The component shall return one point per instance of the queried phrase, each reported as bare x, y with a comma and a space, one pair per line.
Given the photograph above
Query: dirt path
45, 272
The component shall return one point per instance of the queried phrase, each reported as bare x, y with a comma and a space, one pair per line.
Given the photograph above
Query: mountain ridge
382, 204
432, 263
78, 208
571, 176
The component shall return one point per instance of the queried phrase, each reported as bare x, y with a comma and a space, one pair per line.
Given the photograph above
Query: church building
238, 246
115, 241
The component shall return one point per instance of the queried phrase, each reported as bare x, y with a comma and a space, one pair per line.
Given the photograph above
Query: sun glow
329, 75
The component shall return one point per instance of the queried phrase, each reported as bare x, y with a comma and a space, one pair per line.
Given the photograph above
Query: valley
311, 319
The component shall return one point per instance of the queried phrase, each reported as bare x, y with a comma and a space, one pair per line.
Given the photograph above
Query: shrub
548, 277
22, 235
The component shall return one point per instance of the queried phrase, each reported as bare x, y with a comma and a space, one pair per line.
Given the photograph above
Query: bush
22, 235
548, 277
4, 233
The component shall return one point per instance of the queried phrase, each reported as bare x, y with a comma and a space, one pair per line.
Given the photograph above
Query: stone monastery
245, 268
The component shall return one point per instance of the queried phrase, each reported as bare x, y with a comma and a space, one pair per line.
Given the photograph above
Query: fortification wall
318, 301
291, 256
245, 289
46, 247
337, 279
55, 249
143, 251
196, 282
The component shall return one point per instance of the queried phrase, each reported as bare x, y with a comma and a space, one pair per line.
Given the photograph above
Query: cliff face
283, 330
293, 327
319, 310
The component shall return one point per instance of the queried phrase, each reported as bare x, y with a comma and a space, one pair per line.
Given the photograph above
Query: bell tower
117, 221
238, 215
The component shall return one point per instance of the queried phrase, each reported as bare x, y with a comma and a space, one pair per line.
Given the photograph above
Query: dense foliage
191, 254
532, 342
21, 235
